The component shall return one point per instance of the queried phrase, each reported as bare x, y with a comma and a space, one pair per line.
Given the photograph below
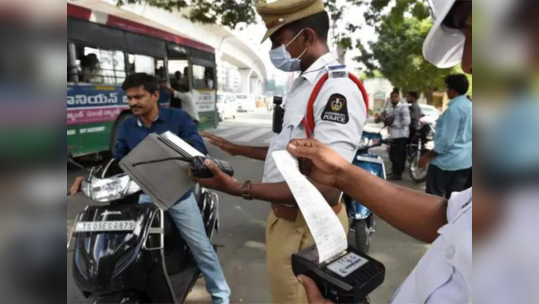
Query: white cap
443, 46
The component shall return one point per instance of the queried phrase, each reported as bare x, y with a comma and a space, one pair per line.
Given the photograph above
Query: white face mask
282, 60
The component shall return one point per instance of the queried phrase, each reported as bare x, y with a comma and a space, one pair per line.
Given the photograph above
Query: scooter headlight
85, 189
111, 189
364, 142
367, 142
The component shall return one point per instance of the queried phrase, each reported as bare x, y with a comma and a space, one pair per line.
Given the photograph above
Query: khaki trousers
284, 238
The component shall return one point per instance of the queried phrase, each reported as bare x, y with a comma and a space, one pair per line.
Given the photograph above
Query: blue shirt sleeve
122, 148
447, 130
189, 132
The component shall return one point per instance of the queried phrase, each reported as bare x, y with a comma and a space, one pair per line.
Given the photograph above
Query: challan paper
324, 224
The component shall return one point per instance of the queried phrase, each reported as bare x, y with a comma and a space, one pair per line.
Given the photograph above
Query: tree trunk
429, 95
341, 52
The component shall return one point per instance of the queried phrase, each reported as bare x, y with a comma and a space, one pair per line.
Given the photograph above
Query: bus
104, 45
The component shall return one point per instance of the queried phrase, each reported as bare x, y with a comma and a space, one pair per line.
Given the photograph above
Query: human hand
165, 87
424, 162
75, 188
314, 296
221, 143
327, 164
220, 180
389, 121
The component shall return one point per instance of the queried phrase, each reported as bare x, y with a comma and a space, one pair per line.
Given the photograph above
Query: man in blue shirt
142, 91
451, 159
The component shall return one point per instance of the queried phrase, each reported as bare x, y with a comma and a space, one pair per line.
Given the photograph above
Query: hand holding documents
160, 165
324, 224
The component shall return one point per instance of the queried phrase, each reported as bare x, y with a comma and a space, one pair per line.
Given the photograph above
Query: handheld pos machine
347, 278
342, 273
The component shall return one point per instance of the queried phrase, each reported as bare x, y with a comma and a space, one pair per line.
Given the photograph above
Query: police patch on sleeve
336, 110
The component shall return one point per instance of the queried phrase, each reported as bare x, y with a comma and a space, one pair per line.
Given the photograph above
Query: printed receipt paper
324, 224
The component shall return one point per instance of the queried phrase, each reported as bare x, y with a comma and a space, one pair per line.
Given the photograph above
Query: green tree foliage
229, 13
398, 53
232, 13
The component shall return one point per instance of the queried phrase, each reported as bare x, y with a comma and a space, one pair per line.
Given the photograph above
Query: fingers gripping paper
324, 224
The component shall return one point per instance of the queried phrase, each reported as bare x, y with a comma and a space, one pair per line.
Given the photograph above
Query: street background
242, 238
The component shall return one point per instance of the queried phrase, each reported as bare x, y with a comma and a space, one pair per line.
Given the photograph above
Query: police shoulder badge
336, 110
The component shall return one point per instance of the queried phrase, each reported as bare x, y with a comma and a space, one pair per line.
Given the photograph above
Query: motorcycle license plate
105, 226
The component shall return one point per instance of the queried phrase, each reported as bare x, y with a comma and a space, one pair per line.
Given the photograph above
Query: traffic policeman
444, 274
298, 30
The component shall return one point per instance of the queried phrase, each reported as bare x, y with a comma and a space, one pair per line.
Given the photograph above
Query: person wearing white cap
444, 274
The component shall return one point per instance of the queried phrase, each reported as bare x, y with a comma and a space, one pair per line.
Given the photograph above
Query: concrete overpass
228, 47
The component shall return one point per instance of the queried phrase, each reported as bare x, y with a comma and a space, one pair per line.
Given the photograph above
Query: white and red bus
125, 43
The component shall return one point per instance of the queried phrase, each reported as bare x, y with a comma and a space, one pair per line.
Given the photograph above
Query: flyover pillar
246, 80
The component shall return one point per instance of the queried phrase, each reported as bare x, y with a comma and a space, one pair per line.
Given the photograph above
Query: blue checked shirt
453, 140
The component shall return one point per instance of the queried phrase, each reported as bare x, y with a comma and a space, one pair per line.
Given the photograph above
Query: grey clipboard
165, 182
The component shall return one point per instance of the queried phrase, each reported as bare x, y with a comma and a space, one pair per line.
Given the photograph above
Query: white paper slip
180, 143
324, 224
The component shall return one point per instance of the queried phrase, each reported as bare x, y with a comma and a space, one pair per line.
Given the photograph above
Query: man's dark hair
149, 82
459, 83
178, 75
396, 90
414, 95
317, 22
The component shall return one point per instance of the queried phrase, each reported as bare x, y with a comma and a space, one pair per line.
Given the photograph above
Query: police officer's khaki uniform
342, 134
340, 114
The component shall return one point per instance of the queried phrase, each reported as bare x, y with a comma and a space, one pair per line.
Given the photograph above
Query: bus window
203, 77
179, 75
160, 71
142, 64
99, 66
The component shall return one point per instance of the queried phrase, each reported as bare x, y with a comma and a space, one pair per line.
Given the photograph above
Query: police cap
282, 12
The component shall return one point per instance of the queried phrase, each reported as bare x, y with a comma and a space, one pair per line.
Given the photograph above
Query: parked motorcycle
363, 223
418, 148
125, 252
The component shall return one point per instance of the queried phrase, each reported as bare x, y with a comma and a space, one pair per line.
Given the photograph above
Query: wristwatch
246, 190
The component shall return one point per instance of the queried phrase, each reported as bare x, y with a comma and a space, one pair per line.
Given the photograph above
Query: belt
290, 214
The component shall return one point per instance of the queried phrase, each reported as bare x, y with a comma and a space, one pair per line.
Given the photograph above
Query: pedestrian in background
388, 103
415, 113
187, 101
451, 159
397, 118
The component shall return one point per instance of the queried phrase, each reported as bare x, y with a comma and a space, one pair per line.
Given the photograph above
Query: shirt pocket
291, 129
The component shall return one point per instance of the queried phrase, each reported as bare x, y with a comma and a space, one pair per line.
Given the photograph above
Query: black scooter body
140, 266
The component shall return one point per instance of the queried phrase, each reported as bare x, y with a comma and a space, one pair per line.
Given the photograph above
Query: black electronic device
348, 278
200, 170
278, 115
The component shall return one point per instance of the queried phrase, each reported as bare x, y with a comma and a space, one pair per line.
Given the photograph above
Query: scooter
362, 220
125, 252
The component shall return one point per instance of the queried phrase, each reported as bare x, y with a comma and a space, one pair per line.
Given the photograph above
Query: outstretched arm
414, 213
257, 153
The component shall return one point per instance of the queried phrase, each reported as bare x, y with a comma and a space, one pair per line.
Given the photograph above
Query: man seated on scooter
142, 91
